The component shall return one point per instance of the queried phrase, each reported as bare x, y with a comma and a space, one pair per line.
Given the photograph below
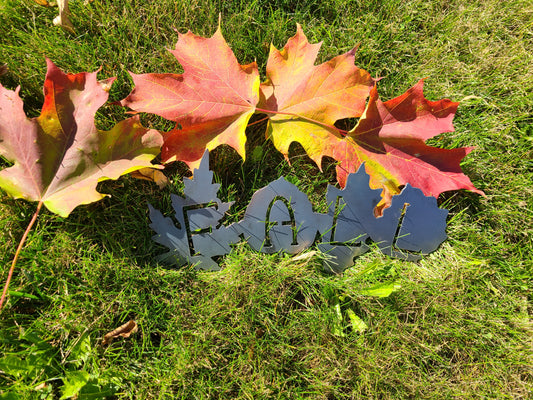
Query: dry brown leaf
151, 174
40, 386
124, 330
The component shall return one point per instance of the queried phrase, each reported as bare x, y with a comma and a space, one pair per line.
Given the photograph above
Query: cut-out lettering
281, 218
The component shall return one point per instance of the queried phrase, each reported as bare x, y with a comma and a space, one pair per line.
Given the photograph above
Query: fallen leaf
151, 174
60, 156
211, 102
124, 331
390, 139
3, 69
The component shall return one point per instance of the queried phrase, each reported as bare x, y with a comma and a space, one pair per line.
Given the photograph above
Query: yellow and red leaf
304, 101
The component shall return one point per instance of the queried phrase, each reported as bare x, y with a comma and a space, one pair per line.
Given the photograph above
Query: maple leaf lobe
327, 92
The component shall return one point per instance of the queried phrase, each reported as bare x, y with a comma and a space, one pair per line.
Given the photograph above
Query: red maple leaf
390, 140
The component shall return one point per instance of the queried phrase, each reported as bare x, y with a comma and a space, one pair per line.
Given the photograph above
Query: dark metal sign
281, 218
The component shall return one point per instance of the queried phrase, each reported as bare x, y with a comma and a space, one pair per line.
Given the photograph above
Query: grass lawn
459, 324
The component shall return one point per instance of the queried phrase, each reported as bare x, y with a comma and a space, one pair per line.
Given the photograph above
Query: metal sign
280, 217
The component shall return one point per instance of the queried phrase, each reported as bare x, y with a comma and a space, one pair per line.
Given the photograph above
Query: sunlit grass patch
458, 324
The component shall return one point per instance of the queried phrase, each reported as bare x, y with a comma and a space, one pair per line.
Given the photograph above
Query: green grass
265, 326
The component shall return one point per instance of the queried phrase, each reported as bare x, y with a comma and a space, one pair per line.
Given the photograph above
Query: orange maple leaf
211, 102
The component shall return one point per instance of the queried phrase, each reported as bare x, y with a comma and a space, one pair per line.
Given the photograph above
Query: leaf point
354, 49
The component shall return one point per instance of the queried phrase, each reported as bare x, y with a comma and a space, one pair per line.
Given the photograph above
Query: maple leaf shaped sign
211, 102
304, 101
60, 156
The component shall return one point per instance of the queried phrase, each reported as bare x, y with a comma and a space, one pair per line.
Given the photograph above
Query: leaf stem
341, 131
256, 122
19, 248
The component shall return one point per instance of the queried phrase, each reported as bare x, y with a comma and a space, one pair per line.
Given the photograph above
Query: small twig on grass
19, 248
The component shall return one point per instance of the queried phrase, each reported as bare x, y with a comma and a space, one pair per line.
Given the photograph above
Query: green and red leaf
60, 156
